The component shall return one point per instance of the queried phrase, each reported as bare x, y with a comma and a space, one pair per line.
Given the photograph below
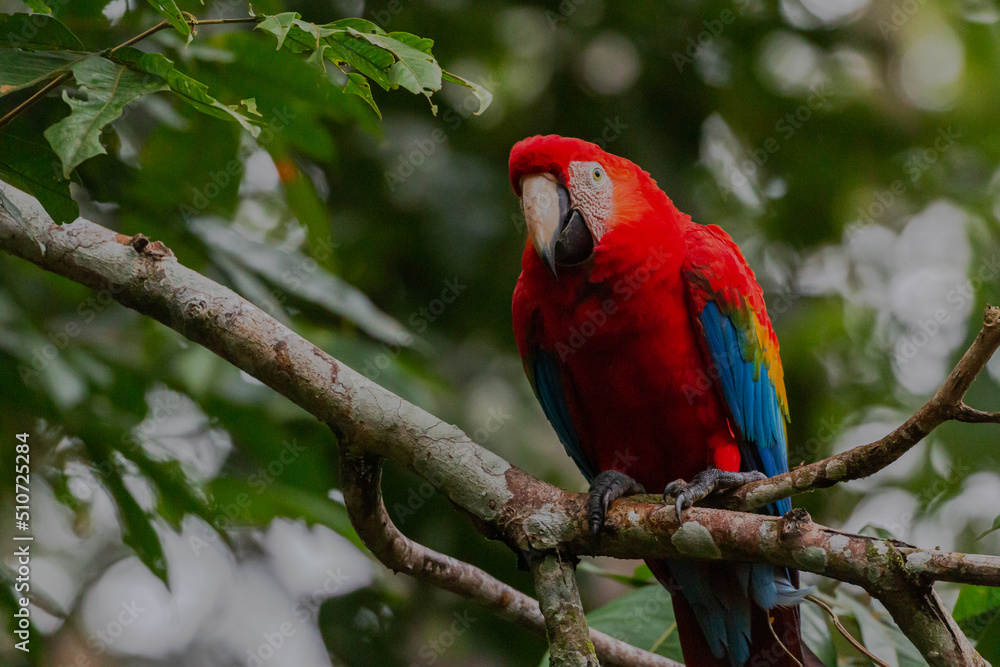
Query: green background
851, 149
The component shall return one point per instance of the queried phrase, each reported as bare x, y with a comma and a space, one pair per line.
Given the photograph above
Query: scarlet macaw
645, 338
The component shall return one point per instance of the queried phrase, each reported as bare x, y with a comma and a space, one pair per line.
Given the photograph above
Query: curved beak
546, 206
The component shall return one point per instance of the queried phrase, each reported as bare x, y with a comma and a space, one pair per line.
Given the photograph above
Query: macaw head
573, 193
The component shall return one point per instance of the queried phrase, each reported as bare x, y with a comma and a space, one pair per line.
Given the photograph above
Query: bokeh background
852, 149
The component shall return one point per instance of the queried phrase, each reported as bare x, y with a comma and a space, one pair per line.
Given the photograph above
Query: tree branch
360, 477
963, 413
505, 502
565, 622
865, 460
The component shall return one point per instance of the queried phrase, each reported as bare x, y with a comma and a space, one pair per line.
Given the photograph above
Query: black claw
676, 489
607, 487
705, 483
681, 505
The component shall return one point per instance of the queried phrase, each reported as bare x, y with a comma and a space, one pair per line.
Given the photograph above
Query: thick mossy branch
507, 503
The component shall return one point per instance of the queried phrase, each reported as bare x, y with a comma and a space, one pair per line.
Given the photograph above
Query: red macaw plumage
646, 340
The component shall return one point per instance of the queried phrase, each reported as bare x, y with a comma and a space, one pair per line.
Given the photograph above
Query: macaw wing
542, 369
728, 307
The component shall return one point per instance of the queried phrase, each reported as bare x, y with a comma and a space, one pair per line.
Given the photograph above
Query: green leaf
358, 46
169, 10
251, 105
30, 165
322, 288
816, 633
358, 85
305, 203
38, 6
347, 48
334, 42
422, 44
178, 496
587, 566
642, 573
22, 69
874, 634
989, 642
137, 529
643, 618
906, 652
484, 96
35, 31
278, 25
996, 527
976, 608
318, 57
361, 25
259, 501
414, 70
191, 91
109, 87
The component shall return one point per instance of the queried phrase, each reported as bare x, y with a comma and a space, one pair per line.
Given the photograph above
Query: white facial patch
590, 190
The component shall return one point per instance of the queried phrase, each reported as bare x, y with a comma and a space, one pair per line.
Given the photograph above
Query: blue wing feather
752, 401
550, 393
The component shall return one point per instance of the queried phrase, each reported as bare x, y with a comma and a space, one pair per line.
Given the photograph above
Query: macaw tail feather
772, 636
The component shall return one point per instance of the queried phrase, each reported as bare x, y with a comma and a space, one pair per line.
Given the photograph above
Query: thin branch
505, 502
565, 622
193, 22
33, 100
361, 484
141, 36
777, 641
847, 635
963, 413
865, 460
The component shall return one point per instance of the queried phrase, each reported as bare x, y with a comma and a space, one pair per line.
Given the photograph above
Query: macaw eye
597, 175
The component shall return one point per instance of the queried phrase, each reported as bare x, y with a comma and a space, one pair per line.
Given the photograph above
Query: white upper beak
540, 204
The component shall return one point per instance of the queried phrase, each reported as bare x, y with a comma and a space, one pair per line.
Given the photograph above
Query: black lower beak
573, 242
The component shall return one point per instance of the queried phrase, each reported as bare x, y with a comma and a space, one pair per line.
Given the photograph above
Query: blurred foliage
850, 148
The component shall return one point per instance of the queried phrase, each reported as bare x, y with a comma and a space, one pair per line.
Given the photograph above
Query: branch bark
505, 502
360, 476
565, 622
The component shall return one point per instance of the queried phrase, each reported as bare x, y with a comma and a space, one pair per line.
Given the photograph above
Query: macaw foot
606, 488
705, 483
